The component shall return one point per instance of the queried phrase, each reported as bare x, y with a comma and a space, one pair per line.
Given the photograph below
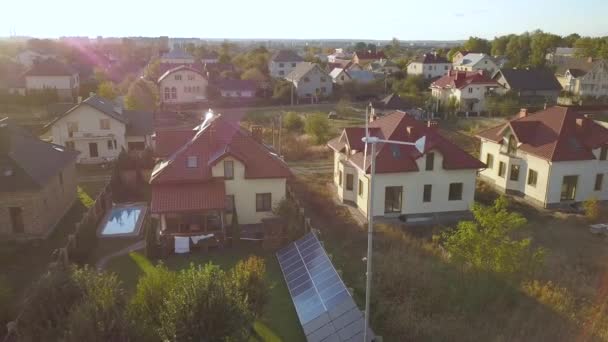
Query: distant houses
283, 62
310, 81
52, 74
177, 56
341, 76
364, 57
429, 66
551, 158
37, 183
237, 90
465, 89
584, 76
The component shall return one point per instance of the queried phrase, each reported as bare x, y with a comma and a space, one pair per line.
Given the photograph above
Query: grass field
279, 319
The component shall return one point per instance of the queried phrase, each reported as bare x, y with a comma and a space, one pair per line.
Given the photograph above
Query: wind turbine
419, 144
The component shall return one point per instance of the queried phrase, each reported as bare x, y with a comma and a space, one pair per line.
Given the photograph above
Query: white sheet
182, 244
197, 238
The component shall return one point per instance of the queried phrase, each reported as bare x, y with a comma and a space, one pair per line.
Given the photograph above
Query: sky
308, 19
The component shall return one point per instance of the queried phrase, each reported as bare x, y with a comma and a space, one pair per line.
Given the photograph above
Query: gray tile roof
26, 162
103, 105
523, 79
177, 54
140, 123
301, 70
286, 56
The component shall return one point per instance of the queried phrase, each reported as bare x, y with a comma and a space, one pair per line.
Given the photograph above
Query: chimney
257, 133
480, 71
5, 140
410, 130
432, 124
523, 112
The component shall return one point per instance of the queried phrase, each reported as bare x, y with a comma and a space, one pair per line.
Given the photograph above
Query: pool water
123, 220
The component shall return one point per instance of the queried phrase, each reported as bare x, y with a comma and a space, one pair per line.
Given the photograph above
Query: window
306, 79
190, 77
360, 189
349, 182
238, 94
281, 65
455, 192
167, 93
470, 90
16, 215
323, 79
263, 202
229, 204
178, 77
174, 93
604, 153
445, 67
110, 145
293, 65
501, 169
281, 72
70, 145
340, 178
599, 179
228, 169
514, 176
93, 152
512, 146
430, 161
490, 160
392, 199
192, 161
323, 89
569, 188
136, 145
426, 196
532, 177
72, 127
104, 124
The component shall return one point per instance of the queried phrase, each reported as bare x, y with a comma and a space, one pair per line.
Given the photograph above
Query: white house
310, 81
383, 67
28, 57
237, 89
584, 77
182, 85
550, 158
341, 76
177, 56
469, 90
476, 62
283, 62
52, 74
440, 180
429, 65
99, 130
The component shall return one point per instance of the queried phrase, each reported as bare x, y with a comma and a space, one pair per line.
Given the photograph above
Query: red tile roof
402, 158
556, 134
431, 58
188, 197
220, 136
460, 79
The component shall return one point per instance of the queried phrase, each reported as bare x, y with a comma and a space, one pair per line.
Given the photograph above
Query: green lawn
279, 320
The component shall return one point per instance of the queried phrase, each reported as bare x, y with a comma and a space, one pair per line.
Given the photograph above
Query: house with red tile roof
210, 173
468, 88
549, 158
429, 66
438, 181
367, 56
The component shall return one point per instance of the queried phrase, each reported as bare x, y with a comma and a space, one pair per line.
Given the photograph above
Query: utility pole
280, 129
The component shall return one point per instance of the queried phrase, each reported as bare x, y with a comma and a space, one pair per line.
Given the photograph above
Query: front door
16, 219
93, 150
392, 199
569, 188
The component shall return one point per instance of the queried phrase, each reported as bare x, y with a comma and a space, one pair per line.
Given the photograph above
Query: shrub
317, 126
591, 208
249, 278
293, 122
152, 245
7, 311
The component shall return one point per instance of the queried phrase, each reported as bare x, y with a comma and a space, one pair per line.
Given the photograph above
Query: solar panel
325, 308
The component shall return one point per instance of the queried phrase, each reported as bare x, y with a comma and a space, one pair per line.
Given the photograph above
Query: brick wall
41, 210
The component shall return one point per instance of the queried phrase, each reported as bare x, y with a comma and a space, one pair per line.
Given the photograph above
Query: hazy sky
380, 19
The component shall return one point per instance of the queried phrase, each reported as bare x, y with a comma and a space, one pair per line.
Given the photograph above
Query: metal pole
370, 231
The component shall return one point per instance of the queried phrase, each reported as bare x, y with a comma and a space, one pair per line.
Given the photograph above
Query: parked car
332, 115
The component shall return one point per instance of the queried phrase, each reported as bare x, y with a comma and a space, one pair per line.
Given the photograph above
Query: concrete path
134, 247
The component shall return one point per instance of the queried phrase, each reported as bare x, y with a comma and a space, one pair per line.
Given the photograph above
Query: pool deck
138, 225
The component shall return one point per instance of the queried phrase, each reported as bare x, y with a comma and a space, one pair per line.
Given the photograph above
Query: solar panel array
326, 310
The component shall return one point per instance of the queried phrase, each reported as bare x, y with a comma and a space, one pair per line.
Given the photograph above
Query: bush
293, 122
317, 126
7, 310
591, 208
152, 245
289, 212
249, 279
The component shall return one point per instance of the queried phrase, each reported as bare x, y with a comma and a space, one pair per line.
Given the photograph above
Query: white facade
412, 185
237, 93
183, 86
67, 86
476, 62
594, 83
315, 83
281, 69
428, 70
28, 57
546, 189
471, 98
97, 136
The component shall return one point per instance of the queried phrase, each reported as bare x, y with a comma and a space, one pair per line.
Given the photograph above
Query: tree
344, 107
499, 45
152, 247
107, 90
142, 95
540, 44
476, 44
282, 91
249, 278
153, 70
360, 46
253, 74
486, 244
205, 304
293, 122
317, 126
570, 39
452, 52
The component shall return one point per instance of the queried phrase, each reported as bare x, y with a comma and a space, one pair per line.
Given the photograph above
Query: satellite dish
420, 144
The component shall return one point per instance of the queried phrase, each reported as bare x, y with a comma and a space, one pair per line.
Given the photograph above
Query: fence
300, 212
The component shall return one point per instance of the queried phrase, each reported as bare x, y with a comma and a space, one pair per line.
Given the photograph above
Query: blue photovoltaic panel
324, 306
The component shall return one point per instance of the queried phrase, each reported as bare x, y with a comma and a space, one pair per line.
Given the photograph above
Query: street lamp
419, 144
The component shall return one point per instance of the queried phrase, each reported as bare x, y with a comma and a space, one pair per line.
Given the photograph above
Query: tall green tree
249, 279
476, 44
317, 126
142, 95
107, 90
499, 45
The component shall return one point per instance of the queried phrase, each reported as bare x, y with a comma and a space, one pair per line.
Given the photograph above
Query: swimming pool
123, 220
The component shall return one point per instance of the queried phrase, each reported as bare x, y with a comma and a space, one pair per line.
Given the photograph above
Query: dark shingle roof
50, 67
140, 123
523, 79
431, 58
393, 101
237, 85
286, 56
103, 105
26, 162
177, 54
301, 70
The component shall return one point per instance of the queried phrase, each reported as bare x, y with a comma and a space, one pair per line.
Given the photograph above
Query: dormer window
604, 153
430, 161
192, 161
512, 145
228, 169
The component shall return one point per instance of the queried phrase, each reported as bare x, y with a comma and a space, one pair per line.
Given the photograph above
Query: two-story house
177, 56
383, 67
99, 130
182, 85
341, 76
310, 81
439, 180
208, 174
476, 62
52, 74
429, 66
550, 158
283, 62
534, 86
37, 183
584, 77
468, 88
364, 57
